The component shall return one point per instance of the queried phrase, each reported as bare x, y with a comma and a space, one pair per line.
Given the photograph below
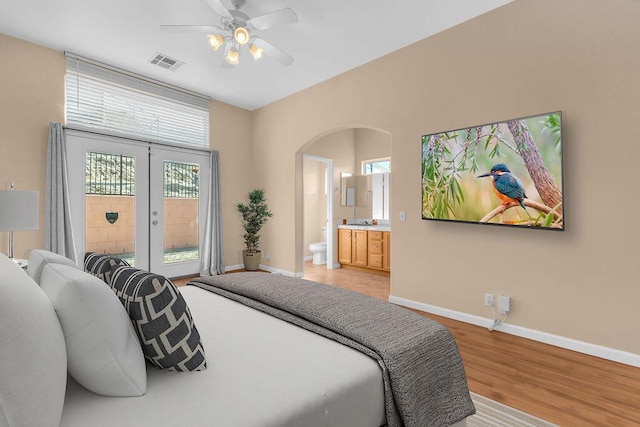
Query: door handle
154, 222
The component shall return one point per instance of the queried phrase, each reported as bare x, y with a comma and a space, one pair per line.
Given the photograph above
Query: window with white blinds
114, 101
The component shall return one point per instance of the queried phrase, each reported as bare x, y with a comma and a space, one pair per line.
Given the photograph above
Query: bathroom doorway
348, 149
318, 230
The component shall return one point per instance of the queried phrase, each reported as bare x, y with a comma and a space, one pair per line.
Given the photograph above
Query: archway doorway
347, 149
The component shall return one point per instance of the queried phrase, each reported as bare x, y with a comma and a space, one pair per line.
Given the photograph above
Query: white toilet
319, 249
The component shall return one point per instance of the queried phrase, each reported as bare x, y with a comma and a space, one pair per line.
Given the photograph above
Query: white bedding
261, 372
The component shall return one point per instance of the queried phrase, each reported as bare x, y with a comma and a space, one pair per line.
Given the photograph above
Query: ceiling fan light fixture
215, 41
232, 56
241, 35
256, 52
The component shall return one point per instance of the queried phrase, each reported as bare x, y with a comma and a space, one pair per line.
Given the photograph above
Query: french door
142, 202
178, 205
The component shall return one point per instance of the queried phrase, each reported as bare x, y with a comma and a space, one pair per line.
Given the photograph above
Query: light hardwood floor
558, 385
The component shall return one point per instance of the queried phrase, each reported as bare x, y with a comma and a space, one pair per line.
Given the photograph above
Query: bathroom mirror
347, 189
363, 192
355, 190
366, 191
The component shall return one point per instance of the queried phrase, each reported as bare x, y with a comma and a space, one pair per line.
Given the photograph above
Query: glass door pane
178, 195
110, 208
181, 206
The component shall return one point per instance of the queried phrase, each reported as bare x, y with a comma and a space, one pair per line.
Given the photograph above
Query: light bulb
241, 35
256, 52
215, 41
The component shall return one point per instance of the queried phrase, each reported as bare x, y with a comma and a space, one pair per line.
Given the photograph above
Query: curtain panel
57, 226
212, 260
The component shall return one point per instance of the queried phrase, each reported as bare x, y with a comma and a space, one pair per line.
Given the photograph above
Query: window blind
115, 101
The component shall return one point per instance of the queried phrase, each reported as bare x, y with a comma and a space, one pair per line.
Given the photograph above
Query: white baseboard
278, 271
308, 258
544, 337
273, 270
233, 267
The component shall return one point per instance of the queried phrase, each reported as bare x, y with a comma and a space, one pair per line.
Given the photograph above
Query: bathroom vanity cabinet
364, 248
352, 247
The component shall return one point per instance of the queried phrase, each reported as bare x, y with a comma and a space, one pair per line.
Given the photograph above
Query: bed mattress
261, 371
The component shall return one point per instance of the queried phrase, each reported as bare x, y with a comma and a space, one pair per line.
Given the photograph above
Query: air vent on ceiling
166, 62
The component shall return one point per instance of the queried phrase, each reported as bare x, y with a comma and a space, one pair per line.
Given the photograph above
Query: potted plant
254, 215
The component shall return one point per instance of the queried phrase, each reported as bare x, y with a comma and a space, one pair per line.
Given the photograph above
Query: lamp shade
256, 52
19, 210
215, 41
232, 56
241, 35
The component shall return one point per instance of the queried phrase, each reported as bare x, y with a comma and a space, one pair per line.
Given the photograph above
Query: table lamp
18, 212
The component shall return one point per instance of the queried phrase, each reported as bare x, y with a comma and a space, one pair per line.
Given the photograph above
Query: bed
262, 371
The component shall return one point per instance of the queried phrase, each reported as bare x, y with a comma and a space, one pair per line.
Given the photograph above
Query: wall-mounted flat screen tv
506, 173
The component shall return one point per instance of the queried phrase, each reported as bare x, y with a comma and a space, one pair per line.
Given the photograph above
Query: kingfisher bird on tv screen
503, 173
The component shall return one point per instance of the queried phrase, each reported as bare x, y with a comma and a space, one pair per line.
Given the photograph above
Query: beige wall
31, 96
528, 57
230, 134
369, 145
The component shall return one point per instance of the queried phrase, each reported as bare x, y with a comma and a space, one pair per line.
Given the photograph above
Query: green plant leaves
254, 215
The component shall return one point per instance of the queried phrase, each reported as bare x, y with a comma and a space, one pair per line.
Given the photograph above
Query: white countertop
366, 227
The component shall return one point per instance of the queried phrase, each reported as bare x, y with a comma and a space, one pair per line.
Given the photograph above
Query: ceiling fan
238, 29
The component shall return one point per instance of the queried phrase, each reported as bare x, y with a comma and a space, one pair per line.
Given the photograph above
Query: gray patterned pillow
161, 318
100, 265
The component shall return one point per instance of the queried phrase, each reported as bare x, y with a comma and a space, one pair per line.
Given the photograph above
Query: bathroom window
370, 167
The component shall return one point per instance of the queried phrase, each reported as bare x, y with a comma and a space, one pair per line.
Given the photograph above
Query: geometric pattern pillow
100, 265
161, 318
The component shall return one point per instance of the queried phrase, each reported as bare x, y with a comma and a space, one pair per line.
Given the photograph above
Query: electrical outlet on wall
488, 300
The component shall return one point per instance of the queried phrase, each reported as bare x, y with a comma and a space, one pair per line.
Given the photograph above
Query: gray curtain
57, 226
212, 260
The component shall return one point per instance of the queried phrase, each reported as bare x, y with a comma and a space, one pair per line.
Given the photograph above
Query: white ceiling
331, 37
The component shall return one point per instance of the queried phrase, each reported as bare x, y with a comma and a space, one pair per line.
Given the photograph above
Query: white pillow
33, 359
38, 258
103, 351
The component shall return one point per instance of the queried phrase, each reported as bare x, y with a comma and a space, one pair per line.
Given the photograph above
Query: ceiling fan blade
272, 51
209, 29
279, 17
219, 8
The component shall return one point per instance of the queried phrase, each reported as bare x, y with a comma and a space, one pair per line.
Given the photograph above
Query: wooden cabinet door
344, 246
386, 250
359, 247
